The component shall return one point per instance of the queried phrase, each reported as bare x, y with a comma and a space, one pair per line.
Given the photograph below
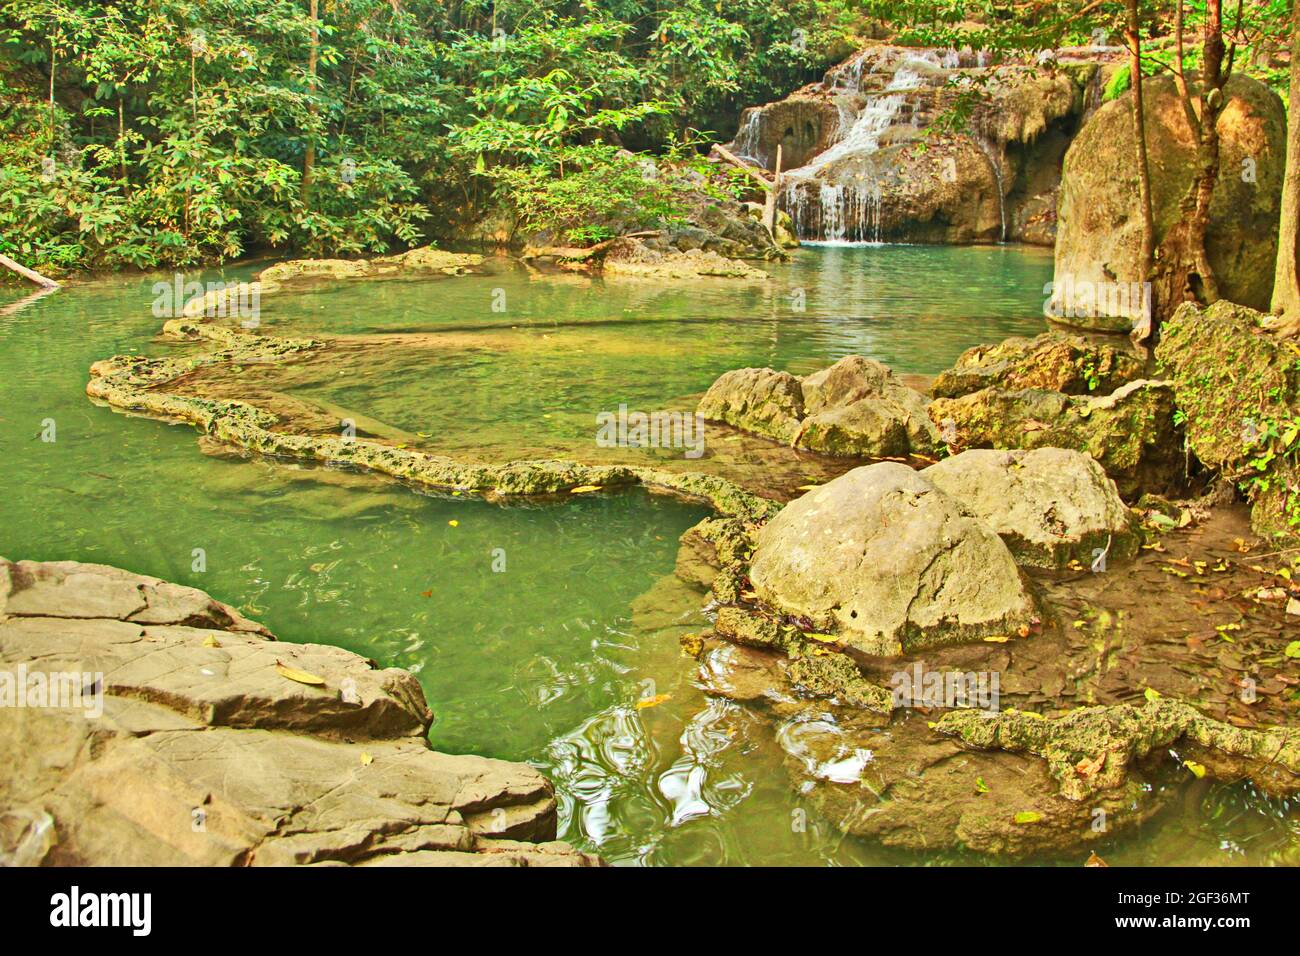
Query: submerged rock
1130, 432
1052, 361
1239, 390
1051, 506
423, 259
216, 745
636, 259
855, 407
888, 563
1099, 236
235, 300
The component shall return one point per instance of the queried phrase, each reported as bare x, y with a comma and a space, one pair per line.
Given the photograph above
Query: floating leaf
1198, 770
1028, 816
211, 641
302, 677
1151, 694
824, 638
583, 489
996, 639
654, 701
454, 523
981, 786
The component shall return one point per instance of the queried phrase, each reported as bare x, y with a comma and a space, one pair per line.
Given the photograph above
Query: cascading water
747, 137
840, 212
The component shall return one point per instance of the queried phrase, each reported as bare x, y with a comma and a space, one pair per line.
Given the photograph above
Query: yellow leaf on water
996, 639
454, 523
654, 701
302, 677
1151, 694
211, 641
583, 489
366, 759
807, 487
1198, 770
1028, 816
824, 638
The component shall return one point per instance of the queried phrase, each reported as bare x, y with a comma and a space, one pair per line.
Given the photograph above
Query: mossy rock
1131, 432
1239, 390
1054, 361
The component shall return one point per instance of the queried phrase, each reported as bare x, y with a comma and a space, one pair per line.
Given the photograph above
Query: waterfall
847, 213
987, 148
746, 142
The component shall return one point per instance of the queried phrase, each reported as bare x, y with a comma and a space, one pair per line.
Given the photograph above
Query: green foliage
1117, 85
181, 129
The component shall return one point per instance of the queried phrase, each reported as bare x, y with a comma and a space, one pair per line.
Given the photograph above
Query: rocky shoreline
196, 738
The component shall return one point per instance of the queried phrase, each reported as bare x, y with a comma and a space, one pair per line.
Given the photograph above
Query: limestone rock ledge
207, 753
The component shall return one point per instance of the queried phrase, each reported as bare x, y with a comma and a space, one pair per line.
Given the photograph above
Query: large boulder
758, 400
1131, 432
1051, 506
855, 407
890, 564
1099, 229
1239, 390
1053, 361
859, 407
184, 734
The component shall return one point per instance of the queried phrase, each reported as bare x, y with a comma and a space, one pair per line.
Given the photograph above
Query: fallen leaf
1151, 694
1095, 860
981, 786
427, 594
824, 638
211, 641
1089, 766
1198, 770
654, 701
997, 639
302, 677
1293, 650
583, 489
366, 759
1028, 816
454, 523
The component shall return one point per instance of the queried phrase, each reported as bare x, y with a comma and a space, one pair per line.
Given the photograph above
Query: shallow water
533, 629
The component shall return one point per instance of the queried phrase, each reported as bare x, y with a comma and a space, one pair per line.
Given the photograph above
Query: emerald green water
542, 661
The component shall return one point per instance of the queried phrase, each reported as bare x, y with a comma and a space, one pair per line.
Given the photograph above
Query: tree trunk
1183, 272
309, 159
1286, 282
30, 275
1133, 36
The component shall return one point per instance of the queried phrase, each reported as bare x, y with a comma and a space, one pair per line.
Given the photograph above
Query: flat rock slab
196, 738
